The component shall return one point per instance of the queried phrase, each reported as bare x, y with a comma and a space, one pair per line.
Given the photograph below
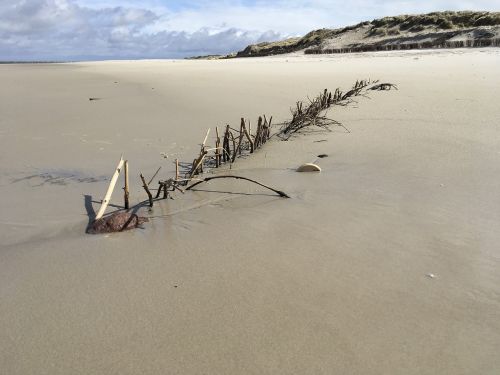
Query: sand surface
231, 279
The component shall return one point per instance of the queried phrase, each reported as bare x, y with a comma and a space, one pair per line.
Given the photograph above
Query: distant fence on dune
491, 42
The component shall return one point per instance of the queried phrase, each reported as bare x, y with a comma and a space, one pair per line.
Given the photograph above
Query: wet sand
385, 262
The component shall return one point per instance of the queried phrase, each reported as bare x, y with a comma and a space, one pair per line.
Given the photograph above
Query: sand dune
386, 262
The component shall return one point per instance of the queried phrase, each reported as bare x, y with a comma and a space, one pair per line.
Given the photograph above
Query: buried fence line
477, 43
234, 144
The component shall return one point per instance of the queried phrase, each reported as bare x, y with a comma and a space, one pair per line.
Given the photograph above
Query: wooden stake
240, 140
145, 186
205, 141
235, 152
160, 187
197, 163
193, 168
269, 129
217, 148
176, 169
217, 151
248, 136
165, 191
226, 145
127, 193
109, 192
257, 134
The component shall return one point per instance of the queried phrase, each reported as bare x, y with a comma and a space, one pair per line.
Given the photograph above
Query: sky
132, 29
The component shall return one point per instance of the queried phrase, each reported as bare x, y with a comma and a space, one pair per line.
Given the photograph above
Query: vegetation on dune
287, 45
445, 20
436, 20
383, 27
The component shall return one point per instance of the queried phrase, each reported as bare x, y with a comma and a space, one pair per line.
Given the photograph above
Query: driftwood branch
310, 114
383, 87
280, 193
148, 192
152, 178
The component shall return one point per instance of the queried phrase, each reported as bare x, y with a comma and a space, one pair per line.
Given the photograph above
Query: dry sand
233, 280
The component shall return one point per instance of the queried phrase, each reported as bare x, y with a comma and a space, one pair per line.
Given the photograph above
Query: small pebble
431, 275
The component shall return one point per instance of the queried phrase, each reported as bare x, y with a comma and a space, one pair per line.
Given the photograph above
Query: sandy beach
386, 262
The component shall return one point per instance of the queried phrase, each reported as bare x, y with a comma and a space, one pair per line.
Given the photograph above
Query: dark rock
117, 222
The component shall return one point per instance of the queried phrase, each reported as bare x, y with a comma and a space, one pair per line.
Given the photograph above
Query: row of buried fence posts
233, 143
486, 42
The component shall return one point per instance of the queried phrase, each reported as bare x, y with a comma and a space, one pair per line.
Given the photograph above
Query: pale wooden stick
205, 140
127, 193
197, 163
176, 169
109, 192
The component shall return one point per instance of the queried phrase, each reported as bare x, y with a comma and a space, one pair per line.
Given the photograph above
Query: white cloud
63, 29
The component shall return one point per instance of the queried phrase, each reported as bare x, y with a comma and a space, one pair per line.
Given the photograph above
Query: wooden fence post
109, 192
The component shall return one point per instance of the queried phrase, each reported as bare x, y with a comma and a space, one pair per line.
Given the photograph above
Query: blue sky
107, 29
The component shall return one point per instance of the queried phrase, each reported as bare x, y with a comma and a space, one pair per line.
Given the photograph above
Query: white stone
309, 167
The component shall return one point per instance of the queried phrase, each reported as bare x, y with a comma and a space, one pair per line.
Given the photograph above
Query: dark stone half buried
117, 222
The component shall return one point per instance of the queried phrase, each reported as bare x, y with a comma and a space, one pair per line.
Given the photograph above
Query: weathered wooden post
126, 188
217, 148
109, 192
247, 135
145, 186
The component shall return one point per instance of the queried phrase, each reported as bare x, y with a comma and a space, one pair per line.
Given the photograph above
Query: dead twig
146, 188
152, 178
280, 193
383, 87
